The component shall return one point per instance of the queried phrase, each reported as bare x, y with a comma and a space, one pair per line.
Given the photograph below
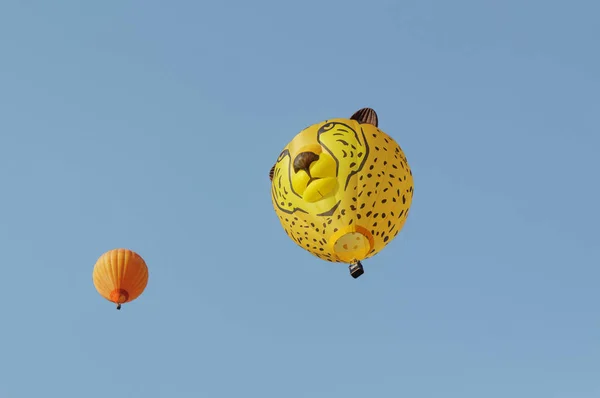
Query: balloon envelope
342, 189
120, 276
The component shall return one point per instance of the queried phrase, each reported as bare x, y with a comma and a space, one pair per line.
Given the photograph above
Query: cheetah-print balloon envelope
342, 189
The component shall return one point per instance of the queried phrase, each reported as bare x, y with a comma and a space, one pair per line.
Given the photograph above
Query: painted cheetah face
315, 168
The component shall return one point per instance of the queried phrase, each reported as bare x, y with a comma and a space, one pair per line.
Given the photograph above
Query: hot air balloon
342, 189
120, 276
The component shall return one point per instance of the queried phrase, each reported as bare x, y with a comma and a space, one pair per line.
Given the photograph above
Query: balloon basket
356, 270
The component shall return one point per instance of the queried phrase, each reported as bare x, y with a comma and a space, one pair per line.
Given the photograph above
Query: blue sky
153, 126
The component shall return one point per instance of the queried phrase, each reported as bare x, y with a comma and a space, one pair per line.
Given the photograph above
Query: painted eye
326, 127
282, 155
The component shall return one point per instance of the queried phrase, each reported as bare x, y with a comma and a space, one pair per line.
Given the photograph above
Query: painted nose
303, 161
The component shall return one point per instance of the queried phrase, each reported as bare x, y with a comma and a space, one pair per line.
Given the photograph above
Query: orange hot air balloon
120, 276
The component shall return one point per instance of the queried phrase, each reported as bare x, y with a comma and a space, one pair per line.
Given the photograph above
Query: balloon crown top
366, 115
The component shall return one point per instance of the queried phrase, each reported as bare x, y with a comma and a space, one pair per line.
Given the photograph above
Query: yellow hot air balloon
342, 189
120, 276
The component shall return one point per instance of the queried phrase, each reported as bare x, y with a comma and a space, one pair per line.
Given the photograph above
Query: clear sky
153, 125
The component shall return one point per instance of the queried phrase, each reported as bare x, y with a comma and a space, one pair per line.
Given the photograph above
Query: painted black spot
383, 215
343, 212
369, 193
403, 199
386, 239
362, 206
352, 207
369, 213
375, 215
369, 175
335, 230
352, 164
375, 224
358, 216
376, 148
360, 154
371, 167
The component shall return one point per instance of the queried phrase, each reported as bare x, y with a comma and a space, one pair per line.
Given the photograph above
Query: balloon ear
366, 115
271, 173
